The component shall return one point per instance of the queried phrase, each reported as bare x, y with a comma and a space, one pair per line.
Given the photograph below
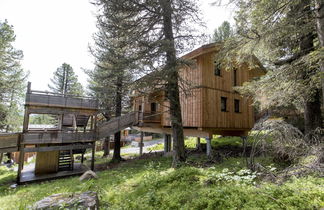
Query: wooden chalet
212, 105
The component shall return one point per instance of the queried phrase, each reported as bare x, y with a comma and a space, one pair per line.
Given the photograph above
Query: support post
167, 143
82, 157
141, 143
21, 162
170, 143
93, 155
198, 144
209, 148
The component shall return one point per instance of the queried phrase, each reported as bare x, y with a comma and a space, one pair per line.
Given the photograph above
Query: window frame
237, 106
223, 104
217, 69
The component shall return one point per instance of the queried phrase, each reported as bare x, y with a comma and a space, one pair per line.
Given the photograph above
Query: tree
155, 31
223, 32
12, 79
110, 80
283, 35
65, 81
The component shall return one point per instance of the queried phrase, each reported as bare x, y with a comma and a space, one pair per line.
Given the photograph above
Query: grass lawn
152, 184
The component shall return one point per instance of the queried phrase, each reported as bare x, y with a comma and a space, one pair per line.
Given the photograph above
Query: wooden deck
48, 99
28, 174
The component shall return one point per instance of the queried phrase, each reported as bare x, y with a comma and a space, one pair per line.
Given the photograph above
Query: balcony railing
40, 98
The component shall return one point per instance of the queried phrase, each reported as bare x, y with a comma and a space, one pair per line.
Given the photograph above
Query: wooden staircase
65, 162
117, 124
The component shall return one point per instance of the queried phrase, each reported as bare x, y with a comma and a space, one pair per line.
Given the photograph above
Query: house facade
209, 103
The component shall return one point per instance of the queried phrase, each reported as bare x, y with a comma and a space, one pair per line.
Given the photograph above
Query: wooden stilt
93, 155
20, 163
209, 149
141, 143
169, 143
82, 157
198, 144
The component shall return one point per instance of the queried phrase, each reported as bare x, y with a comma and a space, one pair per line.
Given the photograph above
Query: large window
217, 69
223, 104
236, 105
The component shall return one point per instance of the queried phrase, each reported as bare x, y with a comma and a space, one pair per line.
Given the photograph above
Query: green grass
217, 142
152, 184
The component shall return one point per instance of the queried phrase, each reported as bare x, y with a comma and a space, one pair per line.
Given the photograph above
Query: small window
237, 106
153, 107
140, 108
223, 104
235, 77
217, 69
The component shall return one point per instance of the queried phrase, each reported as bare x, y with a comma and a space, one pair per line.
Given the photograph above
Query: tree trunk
319, 12
118, 104
312, 107
312, 113
172, 85
106, 147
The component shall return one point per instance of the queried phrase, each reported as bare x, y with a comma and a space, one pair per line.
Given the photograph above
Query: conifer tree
65, 81
12, 80
156, 32
283, 35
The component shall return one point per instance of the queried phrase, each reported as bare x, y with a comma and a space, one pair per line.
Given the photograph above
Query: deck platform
28, 174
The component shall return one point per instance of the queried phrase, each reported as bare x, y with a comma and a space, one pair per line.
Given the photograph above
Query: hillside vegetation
150, 183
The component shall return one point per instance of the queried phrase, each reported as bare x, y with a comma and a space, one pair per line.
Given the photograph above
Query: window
140, 108
223, 104
153, 107
236, 105
235, 77
217, 69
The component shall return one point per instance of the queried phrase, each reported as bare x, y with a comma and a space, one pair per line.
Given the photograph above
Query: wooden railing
41, 98
117, 124
150, 117
57, 137
9, 142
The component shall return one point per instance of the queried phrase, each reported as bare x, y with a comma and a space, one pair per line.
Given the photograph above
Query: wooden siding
201, 106
57, 137
216, 87
46, 162
44, 99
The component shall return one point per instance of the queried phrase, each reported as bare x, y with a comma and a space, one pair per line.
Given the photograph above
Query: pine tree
12, 80
110, 80
223, 32
65, 81
156, 31
283, 34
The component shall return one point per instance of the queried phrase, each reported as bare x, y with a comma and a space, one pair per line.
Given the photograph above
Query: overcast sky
51, 32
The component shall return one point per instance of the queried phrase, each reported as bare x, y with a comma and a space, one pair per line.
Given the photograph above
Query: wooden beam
20, 163
93, 155
9, 149
57, 148
209, 148
141, 143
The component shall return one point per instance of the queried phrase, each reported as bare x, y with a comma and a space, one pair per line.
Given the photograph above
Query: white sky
51, 32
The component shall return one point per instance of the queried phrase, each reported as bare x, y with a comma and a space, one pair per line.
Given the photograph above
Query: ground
149, 183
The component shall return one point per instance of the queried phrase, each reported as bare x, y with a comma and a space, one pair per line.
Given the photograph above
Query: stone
81, 201
88, 175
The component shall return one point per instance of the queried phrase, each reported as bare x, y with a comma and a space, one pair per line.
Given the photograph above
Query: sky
51, 32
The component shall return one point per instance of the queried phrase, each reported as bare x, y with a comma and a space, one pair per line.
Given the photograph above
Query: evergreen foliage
283, 35
155, 31
65, 81
12, 80
223, 32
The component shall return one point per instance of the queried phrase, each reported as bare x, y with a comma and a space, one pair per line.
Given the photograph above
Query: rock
88, 175
13, 186
81, 201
